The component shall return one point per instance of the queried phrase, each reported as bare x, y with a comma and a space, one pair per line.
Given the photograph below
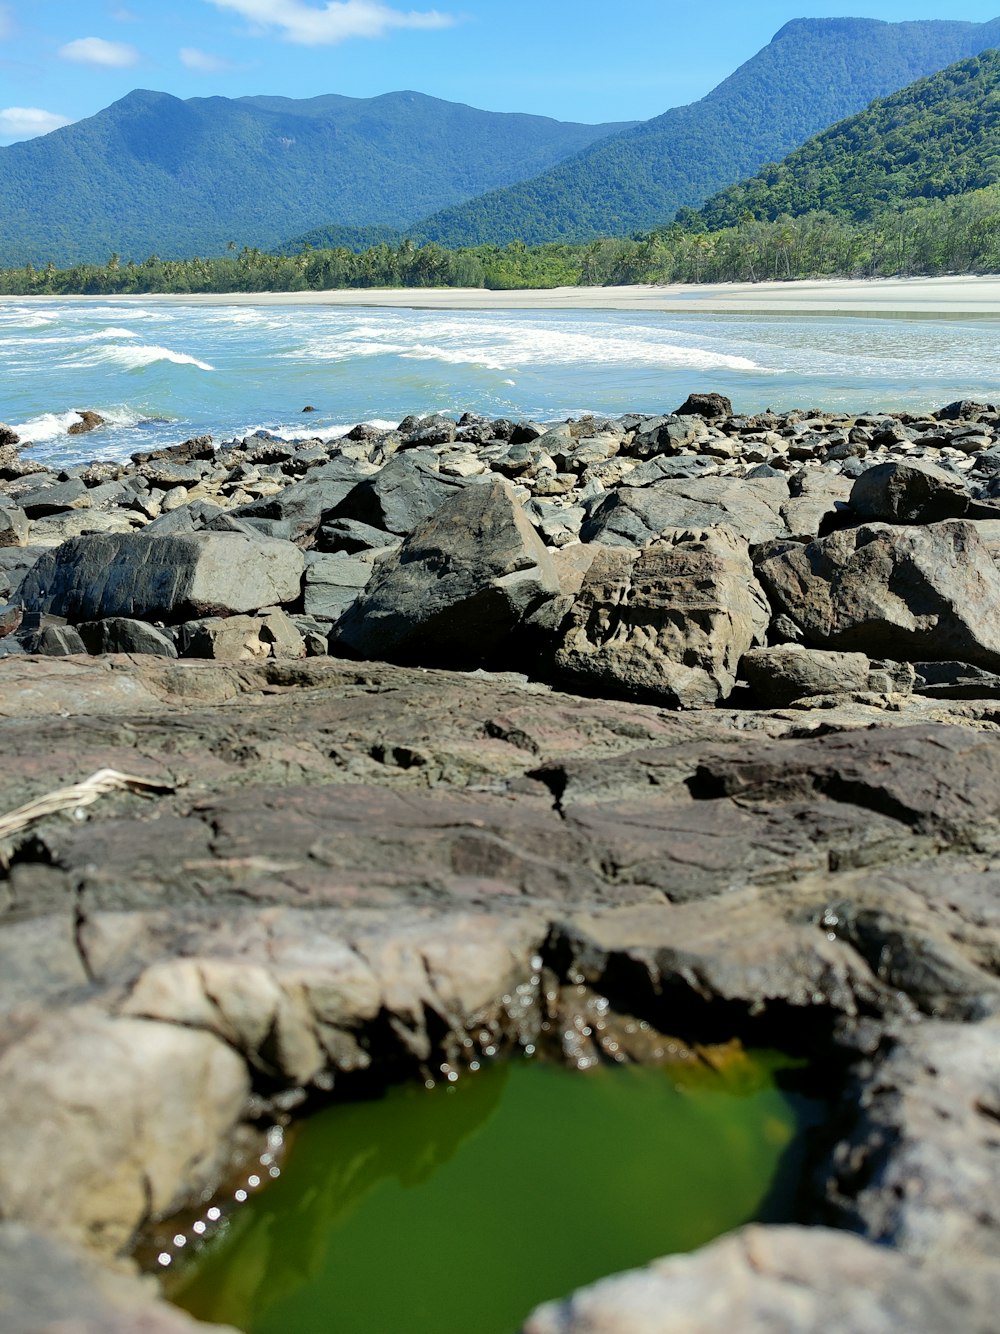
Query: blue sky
585, 60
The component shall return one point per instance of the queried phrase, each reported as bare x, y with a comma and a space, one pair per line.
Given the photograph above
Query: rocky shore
329, 762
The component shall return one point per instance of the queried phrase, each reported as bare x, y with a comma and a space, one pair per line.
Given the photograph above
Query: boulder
669, 623
72, 1164
632, 516
905, 593
119, 634
762, 1280
459, 585
173, 578
408, 490
909, 491
788, 672
305, 504
58, 496
14, 527
89, 421
705, 405
332, 582
224, 639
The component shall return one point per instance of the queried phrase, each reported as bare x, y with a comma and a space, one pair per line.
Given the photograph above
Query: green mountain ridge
155, 174
813, 72
936, 138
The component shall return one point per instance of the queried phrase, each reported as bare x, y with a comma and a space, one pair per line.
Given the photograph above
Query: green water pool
460, 1207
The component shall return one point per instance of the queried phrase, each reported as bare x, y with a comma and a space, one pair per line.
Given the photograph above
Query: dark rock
11, 615
89, 421
705, 405
914, 491
54, 641
350, 536
458, 587
900, 593
963, 409
162, 578
198, 447
118, 634
408, 490
54, 498
8, 436
307, 503
955, 680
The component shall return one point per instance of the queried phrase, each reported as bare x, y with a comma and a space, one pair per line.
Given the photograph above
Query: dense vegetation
939, 137
960, 234
154, 173
814, 72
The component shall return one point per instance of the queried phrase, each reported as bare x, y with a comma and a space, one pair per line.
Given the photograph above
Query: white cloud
333, 22
96, 51
28, 122
202, 61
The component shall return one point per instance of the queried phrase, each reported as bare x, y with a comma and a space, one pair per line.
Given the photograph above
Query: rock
8, 436
458, 587
669, 623
780, 675
332, 582
764, 1279
171, 579
80, 1169
279, 631
955, 680
913, 491
55, 497
47, 1287
118, 634
14, 527
307, 503
963, 409
54, 640
10, 618
903, 593
89, 421
408, 490
705, 405
229, 639
816, 498
632, 516
914, 1167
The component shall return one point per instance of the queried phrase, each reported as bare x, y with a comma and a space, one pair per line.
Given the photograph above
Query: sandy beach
966, 295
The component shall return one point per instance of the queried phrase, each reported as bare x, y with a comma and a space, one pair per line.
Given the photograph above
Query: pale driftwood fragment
84, 793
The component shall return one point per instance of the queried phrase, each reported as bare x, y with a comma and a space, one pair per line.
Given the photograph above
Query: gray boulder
408, 490
909, 491
632, 516
669, 623
305, 504
332, 583
173, 578
460, 584
906, 593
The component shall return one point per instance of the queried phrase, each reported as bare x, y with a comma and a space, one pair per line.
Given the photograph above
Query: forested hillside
939, 137
813, 73
154, 174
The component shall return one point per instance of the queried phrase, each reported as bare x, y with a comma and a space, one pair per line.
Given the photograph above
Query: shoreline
955, 296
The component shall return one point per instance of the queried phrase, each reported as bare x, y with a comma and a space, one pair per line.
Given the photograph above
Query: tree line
960, 234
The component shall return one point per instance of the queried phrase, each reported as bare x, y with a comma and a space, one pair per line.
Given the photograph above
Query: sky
582, 60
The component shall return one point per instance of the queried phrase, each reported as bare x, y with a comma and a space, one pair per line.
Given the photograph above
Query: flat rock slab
352, 863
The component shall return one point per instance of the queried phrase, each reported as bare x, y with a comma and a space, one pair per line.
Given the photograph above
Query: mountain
938, 137
813, 72
152, 173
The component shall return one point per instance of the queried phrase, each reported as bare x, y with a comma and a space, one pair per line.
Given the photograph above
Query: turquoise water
460, 1208
161, 373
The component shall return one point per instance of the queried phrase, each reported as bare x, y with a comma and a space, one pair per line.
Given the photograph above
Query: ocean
162, 372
